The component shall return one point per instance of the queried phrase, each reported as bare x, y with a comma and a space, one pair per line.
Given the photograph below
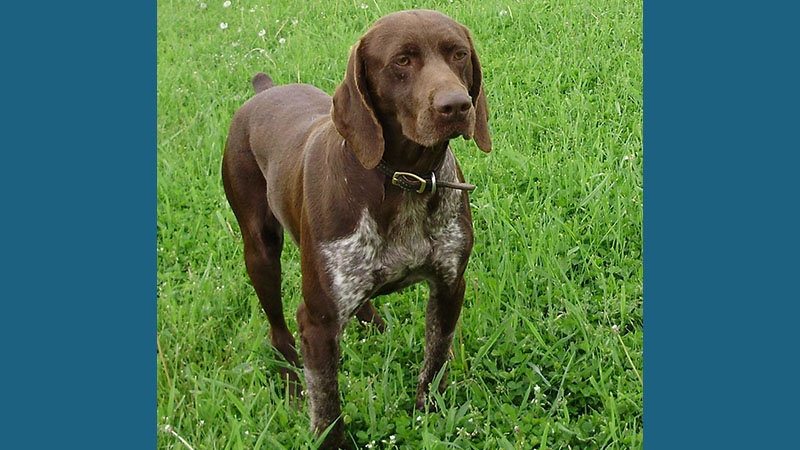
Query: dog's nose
454, 104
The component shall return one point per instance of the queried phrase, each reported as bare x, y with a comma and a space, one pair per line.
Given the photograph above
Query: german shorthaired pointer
366, 185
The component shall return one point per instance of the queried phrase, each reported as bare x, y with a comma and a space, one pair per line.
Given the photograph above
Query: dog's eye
459, 55
402, 61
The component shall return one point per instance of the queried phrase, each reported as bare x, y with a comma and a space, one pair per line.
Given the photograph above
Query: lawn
548, 351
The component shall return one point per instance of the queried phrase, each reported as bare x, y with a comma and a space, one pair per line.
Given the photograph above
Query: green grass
548, 353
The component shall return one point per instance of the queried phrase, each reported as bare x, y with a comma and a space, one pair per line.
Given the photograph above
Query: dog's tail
262, 82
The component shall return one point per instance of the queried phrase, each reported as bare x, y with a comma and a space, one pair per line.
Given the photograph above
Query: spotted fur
323, 397
419, 244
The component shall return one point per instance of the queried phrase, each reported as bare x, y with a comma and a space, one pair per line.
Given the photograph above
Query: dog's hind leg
246, 190
368, 314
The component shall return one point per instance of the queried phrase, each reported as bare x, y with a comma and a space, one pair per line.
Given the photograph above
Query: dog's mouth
457, 128
455, 134
453, 130
430, 131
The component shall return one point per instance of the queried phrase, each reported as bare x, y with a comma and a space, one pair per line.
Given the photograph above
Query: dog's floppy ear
478, 95
353, 114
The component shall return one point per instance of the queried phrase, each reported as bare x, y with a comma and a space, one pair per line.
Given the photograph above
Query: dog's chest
417, 245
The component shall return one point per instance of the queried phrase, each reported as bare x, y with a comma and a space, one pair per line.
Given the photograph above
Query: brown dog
324, 171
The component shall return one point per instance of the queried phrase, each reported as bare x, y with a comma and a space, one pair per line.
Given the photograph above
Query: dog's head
418, 69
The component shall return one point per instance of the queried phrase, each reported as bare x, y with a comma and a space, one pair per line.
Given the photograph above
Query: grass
548, 352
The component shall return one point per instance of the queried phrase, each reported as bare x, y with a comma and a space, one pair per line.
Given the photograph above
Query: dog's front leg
318, 323
444, 307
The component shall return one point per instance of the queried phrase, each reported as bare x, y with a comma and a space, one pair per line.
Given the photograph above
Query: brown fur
300, 161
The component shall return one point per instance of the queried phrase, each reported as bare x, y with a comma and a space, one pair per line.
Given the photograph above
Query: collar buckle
396, 180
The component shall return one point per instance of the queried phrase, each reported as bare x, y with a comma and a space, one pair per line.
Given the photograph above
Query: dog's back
270, 133
280, 118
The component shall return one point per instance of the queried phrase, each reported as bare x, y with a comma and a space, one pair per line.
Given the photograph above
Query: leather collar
412, 182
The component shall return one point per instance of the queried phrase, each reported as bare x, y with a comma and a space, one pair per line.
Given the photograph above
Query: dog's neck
414, 158
401, 153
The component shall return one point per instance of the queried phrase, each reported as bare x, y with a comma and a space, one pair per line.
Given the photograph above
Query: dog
366, 185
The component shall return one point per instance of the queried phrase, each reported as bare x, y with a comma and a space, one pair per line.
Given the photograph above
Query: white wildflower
364, 6
203, 6
262, 33
226, 4
282, 41
223, 25
615, 328
536, 388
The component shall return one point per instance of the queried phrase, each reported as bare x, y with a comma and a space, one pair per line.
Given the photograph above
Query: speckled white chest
418, 244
